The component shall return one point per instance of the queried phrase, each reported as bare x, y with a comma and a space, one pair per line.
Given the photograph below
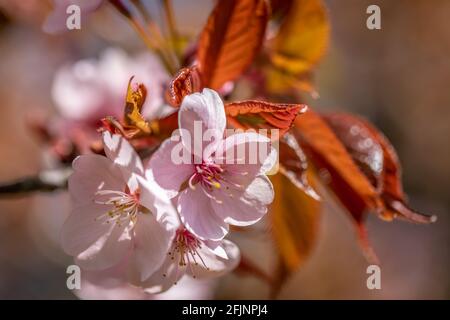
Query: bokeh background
398, 77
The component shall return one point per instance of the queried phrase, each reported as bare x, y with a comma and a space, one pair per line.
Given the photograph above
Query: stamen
191, 180
208, 175
184, 251
126, 206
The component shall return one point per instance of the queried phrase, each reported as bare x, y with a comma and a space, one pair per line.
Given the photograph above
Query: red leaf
338, 171
230, 40
373, 152
294, 164
263, 115
298, 46
185, 82
280, 7
163, 128
328, 153
361, 145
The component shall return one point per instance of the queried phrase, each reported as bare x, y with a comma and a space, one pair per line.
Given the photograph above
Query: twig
46, 181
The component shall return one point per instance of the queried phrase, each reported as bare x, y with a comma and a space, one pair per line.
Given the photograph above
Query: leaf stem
173, 31
157, 34
149, 42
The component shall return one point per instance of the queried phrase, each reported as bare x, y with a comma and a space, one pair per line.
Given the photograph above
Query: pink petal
110, 284
244, 207
216, 248
107, 250
165, 277
92, 173
198, 215
119, 151
245, 155
189, 289
167, 174
78, 93
81, 230
155, 199
153, 239
207, 109
104, 288
215, 265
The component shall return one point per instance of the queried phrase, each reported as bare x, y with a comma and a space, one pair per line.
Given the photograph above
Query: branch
45, 181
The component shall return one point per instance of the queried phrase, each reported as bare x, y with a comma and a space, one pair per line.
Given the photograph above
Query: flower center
126, 206
207, 174
186, 251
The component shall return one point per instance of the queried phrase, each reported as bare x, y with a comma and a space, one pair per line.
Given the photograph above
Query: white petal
99, 287
216, 248
77, 92
165, 277
250, 153
206, 109
107, 250
154, 198
81, 230
216, 265
198, 215
152, 242
169, 175
243, 208
120, 152
189, 289
91, 174
110, 284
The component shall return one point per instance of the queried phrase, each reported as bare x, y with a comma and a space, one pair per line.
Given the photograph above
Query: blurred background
397, 77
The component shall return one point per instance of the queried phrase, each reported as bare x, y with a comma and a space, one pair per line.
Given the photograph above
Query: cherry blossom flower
91, 89
195, 258
48, 215
188, 258
219, 186
117, 214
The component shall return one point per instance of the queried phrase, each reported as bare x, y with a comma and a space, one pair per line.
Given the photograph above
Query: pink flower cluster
152, 224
